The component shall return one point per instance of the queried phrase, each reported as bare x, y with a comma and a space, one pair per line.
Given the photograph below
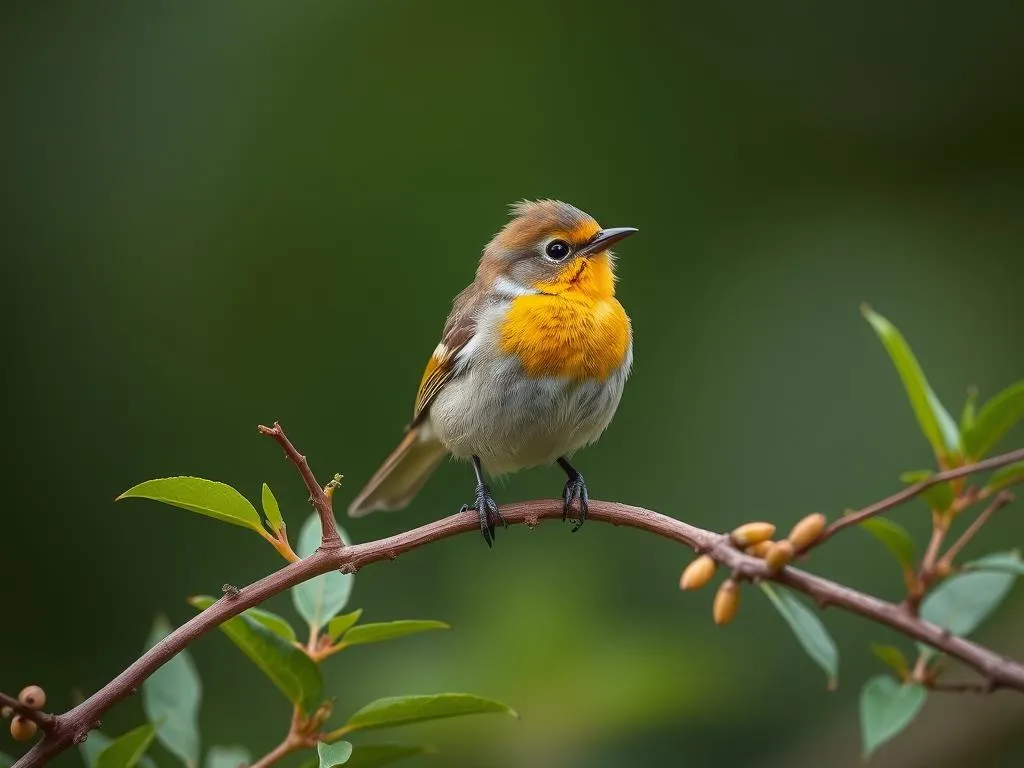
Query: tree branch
320, 501
915, 490
73, 726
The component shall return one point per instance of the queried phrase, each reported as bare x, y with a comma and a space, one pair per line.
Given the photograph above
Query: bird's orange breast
575, 329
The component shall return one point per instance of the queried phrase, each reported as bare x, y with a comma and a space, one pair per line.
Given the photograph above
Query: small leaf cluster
173, 694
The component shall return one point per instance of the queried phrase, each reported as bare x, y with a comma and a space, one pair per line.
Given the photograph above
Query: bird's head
552, 247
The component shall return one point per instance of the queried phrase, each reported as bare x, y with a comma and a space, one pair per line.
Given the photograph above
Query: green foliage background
216, 215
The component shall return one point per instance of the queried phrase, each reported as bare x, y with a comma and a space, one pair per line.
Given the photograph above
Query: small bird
531, 366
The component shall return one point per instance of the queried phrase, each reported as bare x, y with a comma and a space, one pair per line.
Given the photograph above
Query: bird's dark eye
557, 250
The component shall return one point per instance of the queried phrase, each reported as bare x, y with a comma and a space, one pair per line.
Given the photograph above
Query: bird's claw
488, 511
575, 489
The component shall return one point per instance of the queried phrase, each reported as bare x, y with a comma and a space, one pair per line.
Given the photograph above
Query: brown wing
458, 330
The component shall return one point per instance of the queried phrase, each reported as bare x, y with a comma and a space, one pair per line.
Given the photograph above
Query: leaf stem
1002, 499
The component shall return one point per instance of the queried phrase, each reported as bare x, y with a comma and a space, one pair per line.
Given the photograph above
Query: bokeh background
221, 214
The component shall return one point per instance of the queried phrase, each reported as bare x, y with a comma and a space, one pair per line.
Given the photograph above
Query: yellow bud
752, 533
760, 549
807, 530
780, 555
32, 696
727, 602
698, 573
23, 729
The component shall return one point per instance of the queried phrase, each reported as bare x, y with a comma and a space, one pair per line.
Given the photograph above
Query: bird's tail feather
401, 475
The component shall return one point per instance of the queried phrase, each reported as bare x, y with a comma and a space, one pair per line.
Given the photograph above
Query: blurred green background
221, 214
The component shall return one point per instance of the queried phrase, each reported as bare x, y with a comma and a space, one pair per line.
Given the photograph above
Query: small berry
807, 530
752, 533
780, 555
32, 696
23, 729
698, 573
760, 549
727, 602
6, 712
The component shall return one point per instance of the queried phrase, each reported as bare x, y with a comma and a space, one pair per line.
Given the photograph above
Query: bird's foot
488, 511
575, 489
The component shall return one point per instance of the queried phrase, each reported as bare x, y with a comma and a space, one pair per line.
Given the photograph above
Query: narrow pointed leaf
96, 742
1006, 562
886, 708
271, 509
389, 630
206, 497
126, 751
334, 754
994, 420
339, 625
295, 674
937, 425
276, 624
227, 757
967, 418
895, 538
378, 755
171, 697
963, 602
939, 496
892, 657
1006, 476
320, 599
402, 710
809, 631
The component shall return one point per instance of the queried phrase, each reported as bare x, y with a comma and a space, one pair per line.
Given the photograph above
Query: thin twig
1001, 500
916, 489
44, 720
73, 725
320, 500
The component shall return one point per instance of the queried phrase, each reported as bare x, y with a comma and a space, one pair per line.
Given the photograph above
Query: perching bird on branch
531, 365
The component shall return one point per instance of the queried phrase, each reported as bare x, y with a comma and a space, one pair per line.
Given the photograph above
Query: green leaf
939, 496
963, 602
893, 657
809, 631
886, 708
271, 509
125, 751
937, 425
171, 697
273, 622
1006, 562
6, 760
295, 674
967, 417
320, 598
895, 538
377, 755
334, 754
339, 625
96, 742
389, 630
994, 420
1006, 476
402, 710
216, 500
227, 757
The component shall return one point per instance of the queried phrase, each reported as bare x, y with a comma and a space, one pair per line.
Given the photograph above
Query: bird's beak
604, 240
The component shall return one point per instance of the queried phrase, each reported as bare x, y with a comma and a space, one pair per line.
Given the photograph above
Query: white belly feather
493, 410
